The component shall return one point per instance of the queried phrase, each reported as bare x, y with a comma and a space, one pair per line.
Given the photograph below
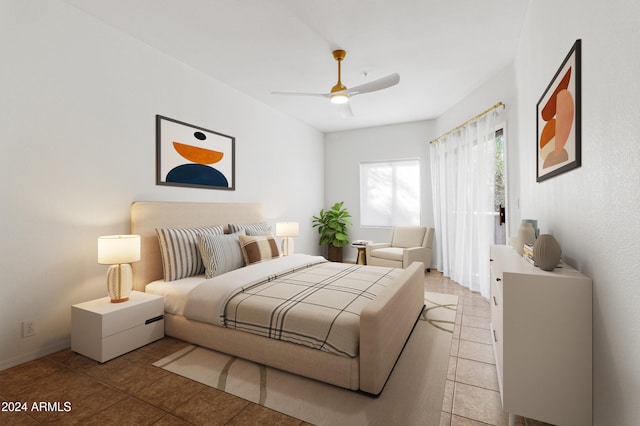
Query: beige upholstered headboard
146, 216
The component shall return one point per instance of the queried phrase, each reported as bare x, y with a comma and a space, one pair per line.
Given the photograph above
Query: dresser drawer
128, 340
131, 317
497, 332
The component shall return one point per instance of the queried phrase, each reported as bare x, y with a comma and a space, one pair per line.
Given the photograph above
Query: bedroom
78, 149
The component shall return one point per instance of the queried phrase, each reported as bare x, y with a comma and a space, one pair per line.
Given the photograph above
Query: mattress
174, 292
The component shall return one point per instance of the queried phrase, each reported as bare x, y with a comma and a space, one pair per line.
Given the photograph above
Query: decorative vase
533, 223
547, 252
526, 235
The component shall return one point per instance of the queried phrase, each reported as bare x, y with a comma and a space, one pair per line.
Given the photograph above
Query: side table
103, 330
362, 256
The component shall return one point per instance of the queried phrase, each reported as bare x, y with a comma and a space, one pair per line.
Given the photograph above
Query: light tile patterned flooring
129, 390
472, 393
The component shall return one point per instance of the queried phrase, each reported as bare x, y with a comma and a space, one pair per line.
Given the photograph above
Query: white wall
77, 134
345, 150
593, 211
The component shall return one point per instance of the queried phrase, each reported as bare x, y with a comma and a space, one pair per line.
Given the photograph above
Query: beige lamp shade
287, 229
117, 249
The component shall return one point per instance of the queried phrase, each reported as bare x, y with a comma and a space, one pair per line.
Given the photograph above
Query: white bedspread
300, 299
207, 301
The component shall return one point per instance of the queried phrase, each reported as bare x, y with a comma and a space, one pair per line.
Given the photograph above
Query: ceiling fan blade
340, 94
323, 95
345, 110
372, 86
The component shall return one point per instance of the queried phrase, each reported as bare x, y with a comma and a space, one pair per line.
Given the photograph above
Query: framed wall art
191, 156
558, 126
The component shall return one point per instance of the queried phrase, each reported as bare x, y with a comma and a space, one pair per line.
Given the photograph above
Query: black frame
161, 180
573, 59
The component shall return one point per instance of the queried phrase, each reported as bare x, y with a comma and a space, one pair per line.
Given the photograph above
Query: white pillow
220, 253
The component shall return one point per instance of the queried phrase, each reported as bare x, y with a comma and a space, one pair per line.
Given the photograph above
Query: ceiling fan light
339, 98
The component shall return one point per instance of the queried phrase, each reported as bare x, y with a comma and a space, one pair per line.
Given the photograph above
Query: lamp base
287, 246
119, 282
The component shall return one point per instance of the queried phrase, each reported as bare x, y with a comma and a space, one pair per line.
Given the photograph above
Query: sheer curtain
463, 167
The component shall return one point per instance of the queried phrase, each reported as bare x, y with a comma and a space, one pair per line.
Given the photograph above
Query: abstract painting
558, 145
191, 156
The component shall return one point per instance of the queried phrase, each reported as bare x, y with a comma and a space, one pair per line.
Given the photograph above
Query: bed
384, 323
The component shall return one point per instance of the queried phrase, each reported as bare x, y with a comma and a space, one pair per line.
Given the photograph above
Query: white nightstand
103, 330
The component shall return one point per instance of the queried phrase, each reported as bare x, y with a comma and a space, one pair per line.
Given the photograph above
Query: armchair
408, 244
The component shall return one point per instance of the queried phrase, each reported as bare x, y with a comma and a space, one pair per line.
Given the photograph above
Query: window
390, 193
500, 236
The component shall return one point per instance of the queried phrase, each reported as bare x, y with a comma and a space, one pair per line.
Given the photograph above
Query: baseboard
38, 353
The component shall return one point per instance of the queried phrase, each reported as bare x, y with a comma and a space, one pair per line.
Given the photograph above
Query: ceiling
442, 49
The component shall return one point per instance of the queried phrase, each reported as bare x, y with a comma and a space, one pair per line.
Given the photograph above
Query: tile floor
472, 393
129, 390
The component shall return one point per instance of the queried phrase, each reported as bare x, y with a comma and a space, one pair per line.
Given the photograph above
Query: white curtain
463, 166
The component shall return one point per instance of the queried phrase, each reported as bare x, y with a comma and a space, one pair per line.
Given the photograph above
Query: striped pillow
220, 253
257, 232
250, 227
258, 248
179, 249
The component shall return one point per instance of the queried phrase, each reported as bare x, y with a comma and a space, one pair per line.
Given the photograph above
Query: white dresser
103, 330
542, 338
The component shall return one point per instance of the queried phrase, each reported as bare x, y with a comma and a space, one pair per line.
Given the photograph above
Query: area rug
412, 396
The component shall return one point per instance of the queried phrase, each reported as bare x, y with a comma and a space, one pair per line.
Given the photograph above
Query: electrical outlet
28, 328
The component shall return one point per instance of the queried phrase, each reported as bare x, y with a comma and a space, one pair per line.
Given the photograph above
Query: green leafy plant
332, 225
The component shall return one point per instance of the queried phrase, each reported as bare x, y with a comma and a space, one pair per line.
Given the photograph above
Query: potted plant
332, 227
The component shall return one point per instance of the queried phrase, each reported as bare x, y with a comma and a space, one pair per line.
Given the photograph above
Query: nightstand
103, 330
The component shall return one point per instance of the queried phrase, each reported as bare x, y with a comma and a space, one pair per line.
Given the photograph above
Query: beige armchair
408, 244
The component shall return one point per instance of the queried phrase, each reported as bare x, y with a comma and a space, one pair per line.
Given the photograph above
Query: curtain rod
488, 110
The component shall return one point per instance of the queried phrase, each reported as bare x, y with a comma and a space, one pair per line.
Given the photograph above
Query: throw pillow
258, 248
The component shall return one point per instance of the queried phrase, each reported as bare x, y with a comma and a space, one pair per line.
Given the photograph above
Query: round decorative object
526, 235
547, 252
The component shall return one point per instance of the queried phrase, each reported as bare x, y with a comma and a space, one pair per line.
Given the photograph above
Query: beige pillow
258, 248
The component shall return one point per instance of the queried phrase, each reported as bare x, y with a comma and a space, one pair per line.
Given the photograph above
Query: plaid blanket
317, 306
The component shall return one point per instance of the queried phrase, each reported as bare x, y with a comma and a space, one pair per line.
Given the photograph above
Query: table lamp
287, 230
118, 251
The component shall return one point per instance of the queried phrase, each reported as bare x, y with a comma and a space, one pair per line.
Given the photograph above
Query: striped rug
413, 395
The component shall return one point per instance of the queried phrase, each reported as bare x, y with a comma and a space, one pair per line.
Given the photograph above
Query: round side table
362, 255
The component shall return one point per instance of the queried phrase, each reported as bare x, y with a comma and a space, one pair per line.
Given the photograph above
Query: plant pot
334, 253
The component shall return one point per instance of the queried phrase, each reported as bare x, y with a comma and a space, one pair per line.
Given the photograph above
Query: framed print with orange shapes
558, 141
192, 156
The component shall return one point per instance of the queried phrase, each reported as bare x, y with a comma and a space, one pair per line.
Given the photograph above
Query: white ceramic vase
547, 252
526, 235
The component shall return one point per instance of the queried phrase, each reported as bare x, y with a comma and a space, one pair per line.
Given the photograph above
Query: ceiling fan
340, 94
